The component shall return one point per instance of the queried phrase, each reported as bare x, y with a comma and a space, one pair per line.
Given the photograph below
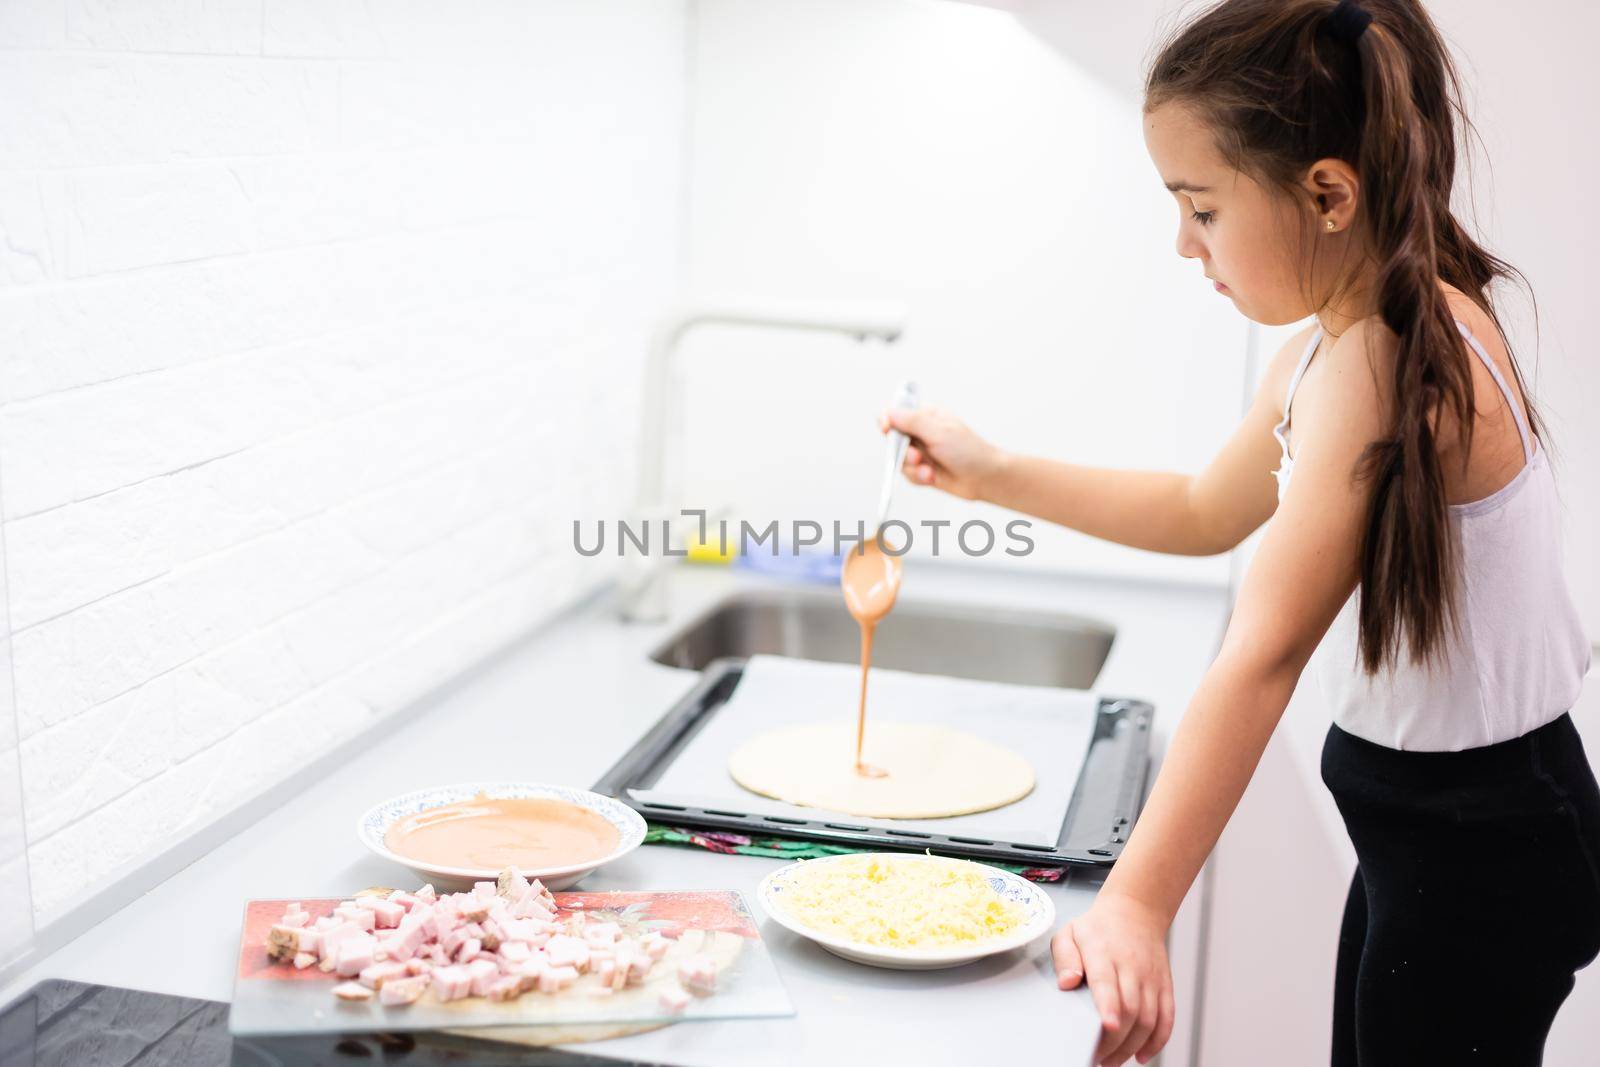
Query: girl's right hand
1119, 947
943, 452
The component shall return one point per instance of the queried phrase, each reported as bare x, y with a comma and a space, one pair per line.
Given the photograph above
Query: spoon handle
905, 399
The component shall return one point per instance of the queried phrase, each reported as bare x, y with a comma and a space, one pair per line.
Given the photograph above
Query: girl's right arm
1183, 514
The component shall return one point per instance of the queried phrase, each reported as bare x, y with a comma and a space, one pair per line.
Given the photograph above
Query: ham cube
416, 967
393, 948
304, 960
602, 933
507, 987
374, 976
698, 973
515, 951
632, 961
451, 983
482, 974
555, 979
519, 930
567, 951
673, 1000
287, 942
397, 992
330, 939
468, 949
356, 954
408, 901
361, 917
386, 914
352, 991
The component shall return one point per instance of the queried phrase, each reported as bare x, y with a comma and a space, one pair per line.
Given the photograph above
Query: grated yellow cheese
899, 901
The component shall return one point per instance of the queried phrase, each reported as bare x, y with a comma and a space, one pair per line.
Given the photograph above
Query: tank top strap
1294, 383
1505, 390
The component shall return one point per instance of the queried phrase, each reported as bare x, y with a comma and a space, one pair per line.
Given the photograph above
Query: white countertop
561, 706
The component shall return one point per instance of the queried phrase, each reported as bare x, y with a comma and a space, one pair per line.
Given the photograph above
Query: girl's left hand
1119, 946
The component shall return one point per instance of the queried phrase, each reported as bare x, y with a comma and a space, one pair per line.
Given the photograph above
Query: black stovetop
70, 1024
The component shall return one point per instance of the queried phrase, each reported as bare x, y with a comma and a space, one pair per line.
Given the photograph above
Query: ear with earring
1331, 226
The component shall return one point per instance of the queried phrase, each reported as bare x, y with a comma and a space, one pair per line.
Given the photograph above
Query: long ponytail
1282, 87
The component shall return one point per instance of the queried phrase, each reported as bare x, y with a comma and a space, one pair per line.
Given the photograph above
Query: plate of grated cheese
905, 910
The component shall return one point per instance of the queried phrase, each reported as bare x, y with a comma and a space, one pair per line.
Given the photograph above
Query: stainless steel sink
1023, 647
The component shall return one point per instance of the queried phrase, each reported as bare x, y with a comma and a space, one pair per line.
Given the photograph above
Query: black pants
1476, 897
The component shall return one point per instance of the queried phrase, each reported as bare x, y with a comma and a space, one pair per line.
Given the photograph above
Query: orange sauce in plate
530, 834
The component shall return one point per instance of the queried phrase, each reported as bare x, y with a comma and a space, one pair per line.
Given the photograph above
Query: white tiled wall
311, 317
16, 921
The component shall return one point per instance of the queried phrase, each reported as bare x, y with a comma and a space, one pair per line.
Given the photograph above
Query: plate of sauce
454, 835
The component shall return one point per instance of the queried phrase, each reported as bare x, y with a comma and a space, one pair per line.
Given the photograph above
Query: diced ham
568, 951
514, 951
356, 954
698, 973
386, 914
482, 973
408, 901
555, 979
498, 941
511, 882
674, 999
332, 937
601, 933
374, 976
287, 942
400, 991
632, 961
507, 987
451, 983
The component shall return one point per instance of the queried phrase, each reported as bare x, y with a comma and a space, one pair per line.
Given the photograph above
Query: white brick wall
318, 325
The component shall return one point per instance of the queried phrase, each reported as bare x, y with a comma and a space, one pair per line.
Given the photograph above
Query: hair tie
1347, 21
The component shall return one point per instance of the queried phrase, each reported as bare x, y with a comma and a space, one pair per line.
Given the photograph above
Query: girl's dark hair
1282, 85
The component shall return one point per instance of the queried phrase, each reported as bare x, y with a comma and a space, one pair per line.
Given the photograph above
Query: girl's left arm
1303, 572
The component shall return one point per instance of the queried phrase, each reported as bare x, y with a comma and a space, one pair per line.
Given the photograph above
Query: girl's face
1246, 235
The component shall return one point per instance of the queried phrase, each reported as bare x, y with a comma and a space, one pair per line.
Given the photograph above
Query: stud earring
1331, 226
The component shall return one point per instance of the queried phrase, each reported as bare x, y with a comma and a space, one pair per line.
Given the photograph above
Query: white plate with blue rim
374, 825
1038, 917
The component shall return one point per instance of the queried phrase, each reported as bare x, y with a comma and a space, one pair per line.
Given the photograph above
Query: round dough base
934, 772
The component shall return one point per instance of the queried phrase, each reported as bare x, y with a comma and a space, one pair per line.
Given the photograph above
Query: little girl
1413, 558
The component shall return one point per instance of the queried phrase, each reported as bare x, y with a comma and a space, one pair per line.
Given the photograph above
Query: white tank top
1520, 654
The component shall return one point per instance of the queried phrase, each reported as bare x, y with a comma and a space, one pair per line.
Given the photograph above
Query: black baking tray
1102, 811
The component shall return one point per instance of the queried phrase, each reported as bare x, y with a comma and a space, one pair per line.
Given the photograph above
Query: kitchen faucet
641, 589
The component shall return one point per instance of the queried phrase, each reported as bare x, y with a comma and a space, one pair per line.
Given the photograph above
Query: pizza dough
933, 771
